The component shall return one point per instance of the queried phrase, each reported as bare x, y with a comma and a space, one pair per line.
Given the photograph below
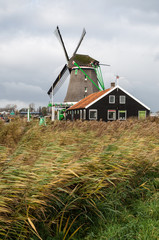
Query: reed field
79, 180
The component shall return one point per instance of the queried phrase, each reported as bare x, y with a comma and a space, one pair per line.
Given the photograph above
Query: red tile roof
87, 100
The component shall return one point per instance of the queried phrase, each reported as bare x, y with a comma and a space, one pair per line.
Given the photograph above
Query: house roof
94, 97
89, 99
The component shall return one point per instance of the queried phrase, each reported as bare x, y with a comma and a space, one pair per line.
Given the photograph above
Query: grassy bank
79, 180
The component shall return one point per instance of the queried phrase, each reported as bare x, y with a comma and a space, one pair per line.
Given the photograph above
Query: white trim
95, 110
81, 114
113, 90
110, 97
125, 114
84, 114
111, 110
85, 89
120, 97
83, 67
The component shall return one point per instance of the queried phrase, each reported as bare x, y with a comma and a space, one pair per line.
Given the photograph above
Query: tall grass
62, 180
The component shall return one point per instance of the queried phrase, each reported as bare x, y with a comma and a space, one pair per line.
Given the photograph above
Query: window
111, 115
85, 78
111, 99
72, 115
85, 89
122, 115
93, 114
76, 71
122, 99
84, 114
80, 114
77, 111
141, 114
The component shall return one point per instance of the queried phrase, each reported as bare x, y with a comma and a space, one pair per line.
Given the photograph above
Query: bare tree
32, 107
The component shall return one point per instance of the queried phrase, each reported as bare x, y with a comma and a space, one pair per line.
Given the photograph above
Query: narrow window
77, 111
80, 114
93, 114
85, 89
141, 114
111, 115
122, 115
84, 114
72, 115
85, 78
122, 99
111, 99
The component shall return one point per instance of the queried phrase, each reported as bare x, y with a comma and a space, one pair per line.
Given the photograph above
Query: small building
111, 104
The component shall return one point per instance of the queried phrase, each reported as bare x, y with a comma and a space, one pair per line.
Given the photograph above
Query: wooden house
111, 104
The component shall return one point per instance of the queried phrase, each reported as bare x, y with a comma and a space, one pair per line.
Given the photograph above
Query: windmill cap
82, 60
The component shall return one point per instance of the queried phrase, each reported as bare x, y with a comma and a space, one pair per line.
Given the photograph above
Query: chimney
112, 84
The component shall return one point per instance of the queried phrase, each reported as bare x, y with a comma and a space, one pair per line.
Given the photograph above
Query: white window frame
85, 89
108, 114
93, 110
110, 98
120, 99
119, 114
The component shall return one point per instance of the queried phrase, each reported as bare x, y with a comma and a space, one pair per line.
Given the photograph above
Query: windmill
85, 74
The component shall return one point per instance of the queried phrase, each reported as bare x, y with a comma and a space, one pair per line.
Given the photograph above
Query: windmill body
79, 84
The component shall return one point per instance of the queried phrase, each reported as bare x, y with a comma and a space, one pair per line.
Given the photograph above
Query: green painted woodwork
86, 75
97, 69
142, 114
61, 114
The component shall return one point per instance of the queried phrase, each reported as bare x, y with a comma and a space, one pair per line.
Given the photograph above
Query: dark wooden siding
131, 106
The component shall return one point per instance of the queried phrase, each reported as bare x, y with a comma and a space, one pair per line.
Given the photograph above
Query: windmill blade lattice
59, 37
82, 36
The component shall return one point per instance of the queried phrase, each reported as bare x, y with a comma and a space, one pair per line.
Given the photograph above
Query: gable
111, 91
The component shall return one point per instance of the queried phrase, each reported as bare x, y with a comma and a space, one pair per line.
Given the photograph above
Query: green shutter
76, 71
142, 114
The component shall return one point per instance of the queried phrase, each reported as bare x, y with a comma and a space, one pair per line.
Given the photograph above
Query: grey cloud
119, 32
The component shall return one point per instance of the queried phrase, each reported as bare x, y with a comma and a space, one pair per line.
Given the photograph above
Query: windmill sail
78, 87
59, 80
82, 36
58, 35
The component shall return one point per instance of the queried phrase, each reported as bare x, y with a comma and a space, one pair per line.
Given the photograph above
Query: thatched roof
82, 60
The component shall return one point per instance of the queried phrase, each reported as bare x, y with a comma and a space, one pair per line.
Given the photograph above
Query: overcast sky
122, 33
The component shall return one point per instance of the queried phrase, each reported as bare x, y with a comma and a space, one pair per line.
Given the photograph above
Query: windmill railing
98, 71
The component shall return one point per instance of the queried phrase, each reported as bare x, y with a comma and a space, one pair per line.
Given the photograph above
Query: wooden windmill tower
84, 74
